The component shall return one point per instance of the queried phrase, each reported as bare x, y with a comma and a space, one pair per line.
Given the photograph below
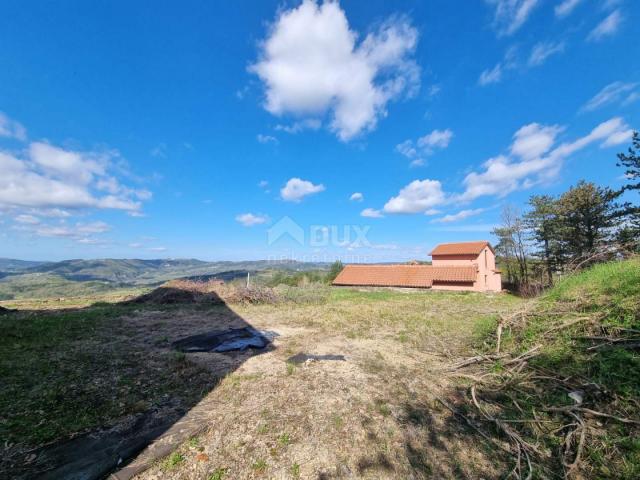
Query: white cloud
510, 15
533, 158
136, 245
607, 27
80, 232
424, 146
157, 249
28, 219
311, 63
407, 149
436, 139
297, 127
434, 90
371, 213
494, 75
51, 178
543, 50
633, 97
613, 93
12, 129
356, 197
490, 76
266, 138
417, 197
617, 138
93, 227
55, 231
159, 151
461, 215
565, 7
296, 189
534, 140
249, 219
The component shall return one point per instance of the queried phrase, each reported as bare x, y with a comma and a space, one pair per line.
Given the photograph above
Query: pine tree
543, 222
587, 217
629, 213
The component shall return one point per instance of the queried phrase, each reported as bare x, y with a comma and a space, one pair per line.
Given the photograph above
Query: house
455, 266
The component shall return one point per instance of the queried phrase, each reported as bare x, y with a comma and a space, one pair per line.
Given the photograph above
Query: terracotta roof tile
455, 274
461, 248
416, 276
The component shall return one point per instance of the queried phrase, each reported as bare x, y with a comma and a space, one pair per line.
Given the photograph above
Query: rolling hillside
26, 279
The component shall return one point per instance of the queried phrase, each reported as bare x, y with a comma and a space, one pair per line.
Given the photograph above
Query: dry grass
375, 415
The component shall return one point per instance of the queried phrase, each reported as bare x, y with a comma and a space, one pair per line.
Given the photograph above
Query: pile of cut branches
560, 383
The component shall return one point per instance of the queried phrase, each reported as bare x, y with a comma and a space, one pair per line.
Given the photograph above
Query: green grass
597, 301
172, 461
67, 372
218, 474
259, 465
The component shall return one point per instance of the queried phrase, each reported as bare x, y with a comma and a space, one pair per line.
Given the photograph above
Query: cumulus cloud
52, 178
356, 197
607, 27
249, 219
436, 139
461, 215
371, 213
543, 50
534, 158
615, 92
565, 7
510, 15
418, 197
312, 64
424, 146
11, 128
296, 189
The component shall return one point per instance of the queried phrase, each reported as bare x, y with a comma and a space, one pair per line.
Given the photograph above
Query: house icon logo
285, 227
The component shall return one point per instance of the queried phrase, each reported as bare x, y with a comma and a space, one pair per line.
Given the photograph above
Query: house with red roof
469, 266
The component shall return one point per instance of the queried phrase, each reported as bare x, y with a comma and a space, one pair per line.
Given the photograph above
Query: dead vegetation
212, 292
564, 390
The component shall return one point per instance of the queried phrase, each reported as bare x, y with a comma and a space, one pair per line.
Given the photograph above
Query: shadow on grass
439, 445
86, 390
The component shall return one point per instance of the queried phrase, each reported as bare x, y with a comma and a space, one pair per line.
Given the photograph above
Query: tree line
582, 225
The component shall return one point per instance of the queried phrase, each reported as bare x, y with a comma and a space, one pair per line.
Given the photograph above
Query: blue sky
165, 129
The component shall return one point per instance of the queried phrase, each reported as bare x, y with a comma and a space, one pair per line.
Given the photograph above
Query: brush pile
211, 291
558, 384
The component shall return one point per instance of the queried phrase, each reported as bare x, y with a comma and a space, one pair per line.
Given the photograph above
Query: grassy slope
594, 303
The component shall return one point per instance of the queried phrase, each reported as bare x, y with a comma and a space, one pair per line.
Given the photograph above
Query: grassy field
382, 398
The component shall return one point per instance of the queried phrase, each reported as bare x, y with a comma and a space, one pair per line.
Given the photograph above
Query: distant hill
25, 279
11, 265
146, 272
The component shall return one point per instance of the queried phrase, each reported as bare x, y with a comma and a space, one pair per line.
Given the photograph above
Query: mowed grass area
77, 369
